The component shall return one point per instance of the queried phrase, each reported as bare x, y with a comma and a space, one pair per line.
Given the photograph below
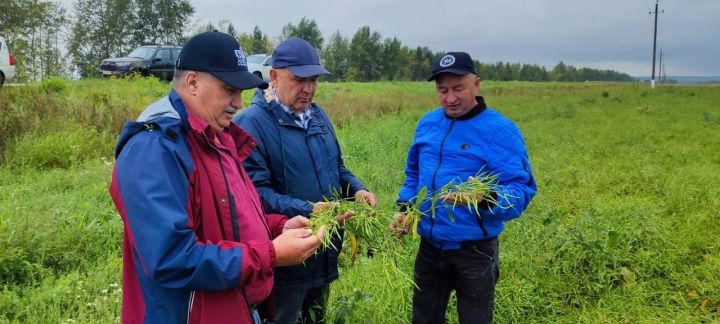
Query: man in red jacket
197, 246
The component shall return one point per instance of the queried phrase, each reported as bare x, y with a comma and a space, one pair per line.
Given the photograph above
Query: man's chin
452, 112
302, 104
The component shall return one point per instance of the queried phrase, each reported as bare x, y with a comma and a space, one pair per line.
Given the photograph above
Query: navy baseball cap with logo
458, 63
219, 54
299, 57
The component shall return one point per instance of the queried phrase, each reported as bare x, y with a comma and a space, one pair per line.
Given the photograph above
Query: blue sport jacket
448, 150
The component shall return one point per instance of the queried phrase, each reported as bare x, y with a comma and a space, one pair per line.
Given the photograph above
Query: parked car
260, 64
157, 60
7, 62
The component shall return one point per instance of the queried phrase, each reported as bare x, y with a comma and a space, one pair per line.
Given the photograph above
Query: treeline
40, 32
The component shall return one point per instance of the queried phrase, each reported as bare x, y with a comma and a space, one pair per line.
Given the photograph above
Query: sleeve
258, 169
276, 222
516, 184
409, 190
150, 188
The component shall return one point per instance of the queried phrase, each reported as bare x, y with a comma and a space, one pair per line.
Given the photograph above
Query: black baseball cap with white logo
458, 63
219, 54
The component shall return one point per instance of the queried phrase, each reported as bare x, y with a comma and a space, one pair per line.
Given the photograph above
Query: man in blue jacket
296, 167
459, 243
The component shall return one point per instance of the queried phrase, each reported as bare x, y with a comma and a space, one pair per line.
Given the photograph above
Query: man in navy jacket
459, 246
296, 167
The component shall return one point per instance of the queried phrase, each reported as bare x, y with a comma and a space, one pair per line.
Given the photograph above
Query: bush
53, 84
59, 149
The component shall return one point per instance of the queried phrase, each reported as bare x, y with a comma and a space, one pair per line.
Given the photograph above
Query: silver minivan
7, 62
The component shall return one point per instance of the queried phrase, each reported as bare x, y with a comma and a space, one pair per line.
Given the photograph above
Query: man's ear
273, 76
191, 83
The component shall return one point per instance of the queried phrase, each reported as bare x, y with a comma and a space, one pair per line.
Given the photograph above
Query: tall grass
624, 227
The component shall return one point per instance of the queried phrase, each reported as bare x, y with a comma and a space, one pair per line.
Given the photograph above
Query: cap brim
305, 71
241, 79
451, 71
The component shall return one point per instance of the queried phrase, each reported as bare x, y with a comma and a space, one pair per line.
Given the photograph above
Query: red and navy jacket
196, 244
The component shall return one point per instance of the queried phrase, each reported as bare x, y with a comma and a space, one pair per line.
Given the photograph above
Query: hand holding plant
462, 198
400, 225
296, 222
364, 196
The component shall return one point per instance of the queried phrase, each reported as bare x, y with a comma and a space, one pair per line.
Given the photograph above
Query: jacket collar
264, 99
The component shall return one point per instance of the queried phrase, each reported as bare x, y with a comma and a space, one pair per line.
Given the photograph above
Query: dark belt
463, 244
471, 244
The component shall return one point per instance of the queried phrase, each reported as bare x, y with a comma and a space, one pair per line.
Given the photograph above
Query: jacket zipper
312, 158
235, 226
437, 169
231, 201
190, 303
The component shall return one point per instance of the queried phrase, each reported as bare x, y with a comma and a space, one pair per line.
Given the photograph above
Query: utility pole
652, 80
660, 68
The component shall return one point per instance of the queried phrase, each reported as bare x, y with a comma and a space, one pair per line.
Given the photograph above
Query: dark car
157, 60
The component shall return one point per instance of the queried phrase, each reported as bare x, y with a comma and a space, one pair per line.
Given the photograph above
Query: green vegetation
624, 227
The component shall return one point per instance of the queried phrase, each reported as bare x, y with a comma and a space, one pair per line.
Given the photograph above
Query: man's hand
367, 197
401, 224
293, 246
320, 206
324, 205
296, 222
460, 198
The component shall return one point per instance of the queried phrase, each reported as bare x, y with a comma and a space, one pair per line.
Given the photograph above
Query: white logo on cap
447, 60
241, 57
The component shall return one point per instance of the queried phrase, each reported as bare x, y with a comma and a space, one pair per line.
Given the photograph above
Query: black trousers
472, 271
301, 307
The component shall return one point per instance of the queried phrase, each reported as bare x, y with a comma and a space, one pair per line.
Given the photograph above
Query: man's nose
236, 101
309, 86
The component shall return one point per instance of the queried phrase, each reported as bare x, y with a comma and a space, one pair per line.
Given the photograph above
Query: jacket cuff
276, 223
257, 271
307, 209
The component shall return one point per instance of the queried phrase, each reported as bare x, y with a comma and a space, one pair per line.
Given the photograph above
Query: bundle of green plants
471, 192
366, 224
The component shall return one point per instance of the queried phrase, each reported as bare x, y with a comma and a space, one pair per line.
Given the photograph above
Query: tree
395, 60
100, 30
335, 57
260, 42
364, 59
421, 63
33, 29
160, 21
245, 40
558, 72
107, 28
306, 29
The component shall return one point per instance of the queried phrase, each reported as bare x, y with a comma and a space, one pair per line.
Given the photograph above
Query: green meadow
625, 226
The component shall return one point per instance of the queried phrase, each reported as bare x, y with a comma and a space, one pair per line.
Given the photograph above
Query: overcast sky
609, 34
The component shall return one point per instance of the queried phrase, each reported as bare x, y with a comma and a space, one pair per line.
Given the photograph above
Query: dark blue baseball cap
458, 63
219, 54
299, 57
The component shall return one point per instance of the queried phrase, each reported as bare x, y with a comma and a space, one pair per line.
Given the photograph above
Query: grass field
624, 227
